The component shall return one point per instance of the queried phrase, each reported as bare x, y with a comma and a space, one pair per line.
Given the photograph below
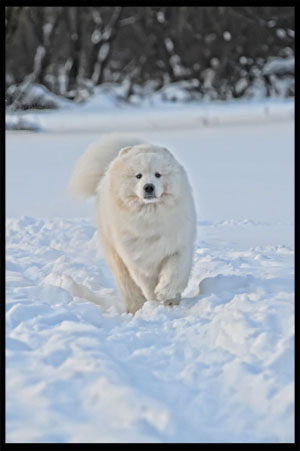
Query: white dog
145, 215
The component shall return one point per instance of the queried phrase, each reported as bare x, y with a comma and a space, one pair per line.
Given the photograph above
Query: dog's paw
163, 293
175, 301
167, 294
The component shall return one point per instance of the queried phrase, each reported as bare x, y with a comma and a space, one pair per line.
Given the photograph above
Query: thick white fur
148, 243
92, 164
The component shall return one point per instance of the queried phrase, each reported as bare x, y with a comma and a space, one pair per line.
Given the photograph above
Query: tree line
222, 51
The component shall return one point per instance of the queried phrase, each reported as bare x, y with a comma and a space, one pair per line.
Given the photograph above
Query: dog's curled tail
92, 164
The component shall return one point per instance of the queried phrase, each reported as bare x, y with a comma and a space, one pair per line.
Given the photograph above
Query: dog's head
146, 174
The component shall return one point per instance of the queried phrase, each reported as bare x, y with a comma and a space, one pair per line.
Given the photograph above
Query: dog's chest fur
144, 242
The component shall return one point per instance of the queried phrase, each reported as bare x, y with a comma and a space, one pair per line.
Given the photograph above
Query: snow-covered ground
217, 368
103, 113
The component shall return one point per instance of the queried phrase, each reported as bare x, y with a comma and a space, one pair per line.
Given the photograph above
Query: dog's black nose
149, 188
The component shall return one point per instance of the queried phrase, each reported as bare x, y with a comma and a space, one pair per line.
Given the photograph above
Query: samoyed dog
145, 216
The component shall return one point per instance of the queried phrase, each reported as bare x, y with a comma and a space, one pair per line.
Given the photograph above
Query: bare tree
11, 21
102, 39
73, 17
44, 29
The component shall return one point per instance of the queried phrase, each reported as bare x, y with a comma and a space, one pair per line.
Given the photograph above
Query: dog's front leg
128, 289
173, 278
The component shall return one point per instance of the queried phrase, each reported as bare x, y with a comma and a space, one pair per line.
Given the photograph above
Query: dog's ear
167, 151
124, 150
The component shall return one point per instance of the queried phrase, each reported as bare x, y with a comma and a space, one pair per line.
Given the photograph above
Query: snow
33, 95
21, 122
280, 65
128, 100
217, 368
105, 111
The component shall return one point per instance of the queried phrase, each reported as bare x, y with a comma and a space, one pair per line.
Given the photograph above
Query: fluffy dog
145, 216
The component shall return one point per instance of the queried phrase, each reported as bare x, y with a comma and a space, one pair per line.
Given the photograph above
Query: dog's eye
139, 176
157, 174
